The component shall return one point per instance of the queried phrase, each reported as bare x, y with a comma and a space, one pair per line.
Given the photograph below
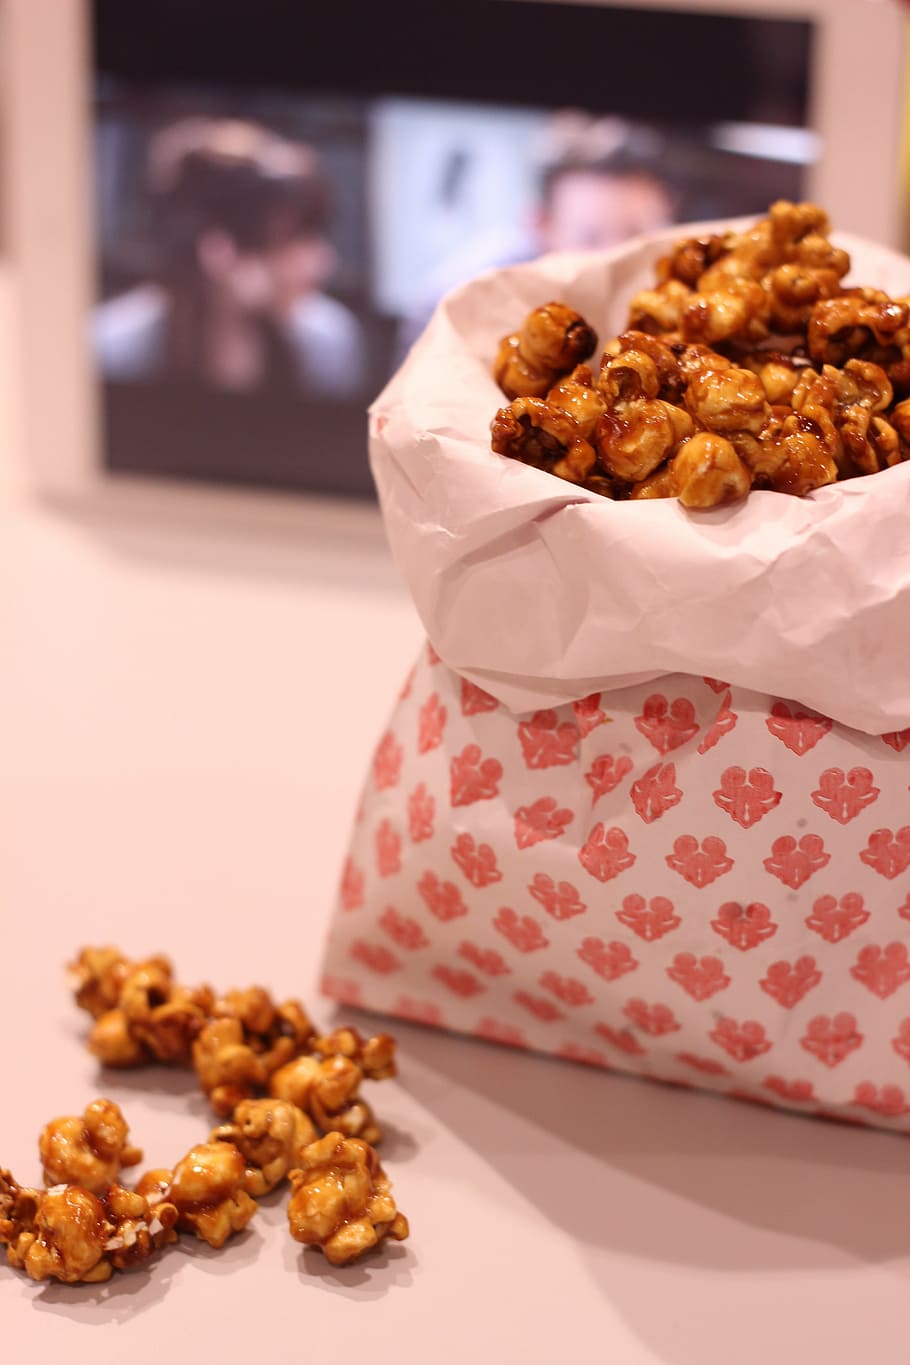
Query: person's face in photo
588, 210
268, 281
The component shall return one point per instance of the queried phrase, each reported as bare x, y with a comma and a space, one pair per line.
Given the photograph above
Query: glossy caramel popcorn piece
728, 400
207, 1188
576, 396
18, 1207
341, 1200
552, 340
97, 977
89, 1150
71, 1234
248, 1038
661, 309
227, 1067
738, 310
155, 1018
639, 431
708, 472
66, 1240
375, 1055
139, 1229
268, 1133
328, 1089
844, 328
541, 435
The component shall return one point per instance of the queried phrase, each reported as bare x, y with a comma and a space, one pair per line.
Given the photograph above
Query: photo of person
237, 300
267, 257
589, 183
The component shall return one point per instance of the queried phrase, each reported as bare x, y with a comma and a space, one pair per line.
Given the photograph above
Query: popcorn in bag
644, 801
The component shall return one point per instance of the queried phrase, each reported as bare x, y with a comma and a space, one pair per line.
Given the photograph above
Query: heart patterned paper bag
644, 801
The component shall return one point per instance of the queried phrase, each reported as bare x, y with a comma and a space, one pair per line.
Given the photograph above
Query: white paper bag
644, 801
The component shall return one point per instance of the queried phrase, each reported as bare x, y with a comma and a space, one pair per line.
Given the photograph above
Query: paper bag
644, 801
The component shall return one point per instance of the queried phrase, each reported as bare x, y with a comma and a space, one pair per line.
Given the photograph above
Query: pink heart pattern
798, 730
794, 862
662, 880
546, 742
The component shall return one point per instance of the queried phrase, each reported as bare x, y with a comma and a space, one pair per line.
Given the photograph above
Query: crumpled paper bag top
542, 593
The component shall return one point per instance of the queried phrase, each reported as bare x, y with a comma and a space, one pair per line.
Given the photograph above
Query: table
186, 716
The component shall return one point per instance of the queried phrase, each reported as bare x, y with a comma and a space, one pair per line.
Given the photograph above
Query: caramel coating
633, 442
162, 1016
248, 1038
639, 430
695, 360
207, 1188
375, 1056
662, 484
87, 1151
112, 1042
671, 380
542, 435
778, 374
341, 1200
900, 417
268, 1134
139, 1227
97, 977
556, 336
793, 290
66, 1240
227, 1067
284, 1028
551, 341
739, 309
690, 258
18, 1207
728, 400
155, 1019
517, 376
843, 328
871, 443
661, 309
68, 1233
577, 396
708, 472
328, 1090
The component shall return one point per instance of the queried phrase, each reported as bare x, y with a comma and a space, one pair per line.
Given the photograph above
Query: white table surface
185, 717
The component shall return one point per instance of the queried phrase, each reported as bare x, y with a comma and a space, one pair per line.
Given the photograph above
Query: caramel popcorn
227, 1067
71, 1234
248, 1038
327, 1090
207, 1189
66, 1241
154, 1019
543, 435
88, 1224
638, 430
18, 1207
341, 1200
98, 974
660, 310
268, 1134
140, 1228
87, 1151
747, 365
375, 1056
551, 342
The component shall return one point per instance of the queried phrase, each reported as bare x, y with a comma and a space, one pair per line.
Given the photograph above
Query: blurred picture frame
858, 61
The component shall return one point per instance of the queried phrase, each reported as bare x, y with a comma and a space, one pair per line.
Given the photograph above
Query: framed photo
223, 247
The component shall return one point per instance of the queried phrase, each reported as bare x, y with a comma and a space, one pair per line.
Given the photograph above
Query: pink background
188, 710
